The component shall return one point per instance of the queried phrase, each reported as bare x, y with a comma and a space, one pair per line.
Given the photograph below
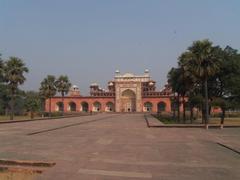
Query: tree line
13, 100
206, 76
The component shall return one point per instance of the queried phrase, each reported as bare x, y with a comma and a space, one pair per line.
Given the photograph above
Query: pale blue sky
88, 40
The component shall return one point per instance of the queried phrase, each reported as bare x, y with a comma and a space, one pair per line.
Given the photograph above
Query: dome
117, 71
110, 84
151, 83
146, 71
75, 88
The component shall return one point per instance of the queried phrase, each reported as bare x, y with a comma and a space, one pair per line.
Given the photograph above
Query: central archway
128, 101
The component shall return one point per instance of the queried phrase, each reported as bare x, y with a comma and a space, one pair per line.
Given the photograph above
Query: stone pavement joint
232, 149
66, 126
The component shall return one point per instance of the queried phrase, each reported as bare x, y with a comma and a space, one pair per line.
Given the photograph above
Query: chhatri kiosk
126, 93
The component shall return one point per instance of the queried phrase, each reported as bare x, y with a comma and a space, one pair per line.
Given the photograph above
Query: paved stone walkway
120, 146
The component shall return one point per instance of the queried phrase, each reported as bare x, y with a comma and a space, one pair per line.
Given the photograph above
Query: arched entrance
161, 106
148, 107
128, 101
96, 106
72, 106
109, 107
84, 106
59, 106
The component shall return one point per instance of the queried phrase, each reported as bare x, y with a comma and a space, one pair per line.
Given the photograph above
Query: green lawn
228, 121
164, 119
214, 120
2, 118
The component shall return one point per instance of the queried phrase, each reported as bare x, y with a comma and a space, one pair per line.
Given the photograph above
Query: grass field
2, 118
166, 119
227, 121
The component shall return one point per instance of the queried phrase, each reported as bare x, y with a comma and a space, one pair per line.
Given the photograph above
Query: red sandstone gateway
126, 93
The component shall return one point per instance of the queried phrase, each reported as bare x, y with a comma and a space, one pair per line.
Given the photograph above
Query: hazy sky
88, 40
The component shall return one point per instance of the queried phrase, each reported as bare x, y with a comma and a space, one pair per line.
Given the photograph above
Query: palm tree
14, 70
48, 89
203, 64
63, 85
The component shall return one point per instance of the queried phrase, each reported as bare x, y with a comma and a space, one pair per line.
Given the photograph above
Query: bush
53, 114
229, 114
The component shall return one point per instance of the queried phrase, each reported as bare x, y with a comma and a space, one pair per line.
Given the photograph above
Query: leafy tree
203, 64
173, 80
48, 89
207, 73
223, 104
32, 102
14, 70
229, 75
19, 102
174, 105
186, 79
181, 82
1, 69
2, 88
226, 83
195, 101
4, 99
63, 85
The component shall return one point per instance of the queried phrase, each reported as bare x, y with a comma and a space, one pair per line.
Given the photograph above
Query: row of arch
97, 107
148, 106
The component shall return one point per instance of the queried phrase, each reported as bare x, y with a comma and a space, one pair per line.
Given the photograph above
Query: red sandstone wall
78, 101
103, 102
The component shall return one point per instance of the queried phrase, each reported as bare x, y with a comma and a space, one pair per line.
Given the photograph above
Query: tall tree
48, 89
14, 70
32, 102
203, 64
195, 101
174, 82
216, 77
63, 85
3, 90
229, 74
1, 69
226, 82
186, 79
181, 82
222, 103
